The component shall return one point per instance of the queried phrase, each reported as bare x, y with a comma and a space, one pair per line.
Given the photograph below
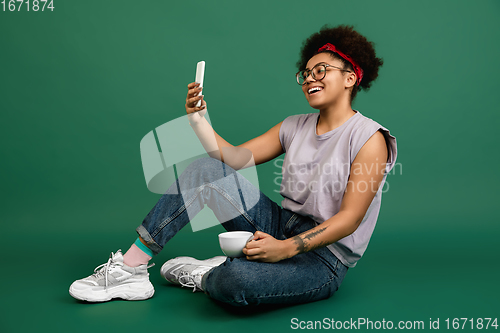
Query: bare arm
256, 151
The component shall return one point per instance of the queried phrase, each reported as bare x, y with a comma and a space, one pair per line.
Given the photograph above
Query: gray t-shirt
316, 169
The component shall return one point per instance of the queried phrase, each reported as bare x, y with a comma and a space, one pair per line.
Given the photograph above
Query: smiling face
332, 88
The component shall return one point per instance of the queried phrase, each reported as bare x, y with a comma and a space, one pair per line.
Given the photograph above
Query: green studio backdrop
81, 85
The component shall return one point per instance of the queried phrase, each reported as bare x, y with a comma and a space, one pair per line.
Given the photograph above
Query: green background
80, 87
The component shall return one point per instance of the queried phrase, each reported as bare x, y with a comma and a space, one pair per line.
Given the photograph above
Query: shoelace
189, 280
104, 268
181, 274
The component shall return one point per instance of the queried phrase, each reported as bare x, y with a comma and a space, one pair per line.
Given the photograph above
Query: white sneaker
188, 271
114, 279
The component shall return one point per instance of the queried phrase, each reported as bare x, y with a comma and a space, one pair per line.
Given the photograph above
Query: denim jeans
303, 278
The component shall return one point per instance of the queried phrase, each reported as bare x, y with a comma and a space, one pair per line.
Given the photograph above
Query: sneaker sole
130, 292
211, 262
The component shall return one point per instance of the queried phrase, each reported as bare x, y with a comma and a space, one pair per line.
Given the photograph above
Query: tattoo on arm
303, 242
300, 244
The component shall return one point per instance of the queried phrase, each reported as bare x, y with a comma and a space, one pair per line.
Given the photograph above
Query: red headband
357, 70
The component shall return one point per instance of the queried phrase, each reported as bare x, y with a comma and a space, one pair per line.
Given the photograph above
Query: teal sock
143, 247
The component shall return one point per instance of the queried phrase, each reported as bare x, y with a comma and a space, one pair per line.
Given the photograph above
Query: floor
400, 278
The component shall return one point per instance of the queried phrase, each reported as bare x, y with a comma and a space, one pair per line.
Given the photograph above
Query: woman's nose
309, 78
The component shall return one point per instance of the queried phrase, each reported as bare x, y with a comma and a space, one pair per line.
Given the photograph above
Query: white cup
233, 242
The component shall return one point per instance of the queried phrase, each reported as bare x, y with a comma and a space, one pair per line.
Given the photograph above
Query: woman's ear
350, 80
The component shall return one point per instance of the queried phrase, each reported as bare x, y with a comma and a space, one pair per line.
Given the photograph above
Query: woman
334, 169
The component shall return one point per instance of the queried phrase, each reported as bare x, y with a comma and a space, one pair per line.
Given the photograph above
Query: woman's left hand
266, 248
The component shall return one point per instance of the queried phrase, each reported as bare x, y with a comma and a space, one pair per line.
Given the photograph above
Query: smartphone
200, 73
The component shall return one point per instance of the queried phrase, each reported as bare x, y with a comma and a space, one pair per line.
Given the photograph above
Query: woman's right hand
193, 96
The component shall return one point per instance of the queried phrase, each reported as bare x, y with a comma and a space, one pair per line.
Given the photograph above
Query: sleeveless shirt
316, 169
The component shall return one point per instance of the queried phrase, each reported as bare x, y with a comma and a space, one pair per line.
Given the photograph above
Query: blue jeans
303, 278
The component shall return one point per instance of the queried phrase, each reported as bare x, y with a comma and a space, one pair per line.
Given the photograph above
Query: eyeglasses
318, 73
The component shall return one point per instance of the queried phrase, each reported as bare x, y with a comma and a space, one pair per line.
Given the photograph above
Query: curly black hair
349, 42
